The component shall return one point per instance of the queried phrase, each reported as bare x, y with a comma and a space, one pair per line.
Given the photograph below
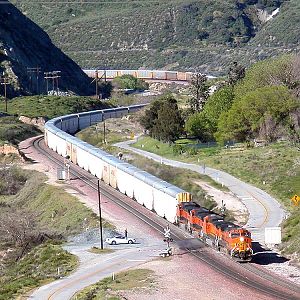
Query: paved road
94, 267
264, 210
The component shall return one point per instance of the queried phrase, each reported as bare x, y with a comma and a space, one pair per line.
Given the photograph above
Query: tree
169, 124
265, 110
197, 125
203, 125
149, 119
236, 73
163, 119
282, 71
219, 102
105, 88
200, 92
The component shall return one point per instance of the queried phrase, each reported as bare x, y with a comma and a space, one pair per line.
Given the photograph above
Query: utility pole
104, 132
105, 80
46, 76
96, 81
100, 216
4, 81
54, 75
35, 71
104, 75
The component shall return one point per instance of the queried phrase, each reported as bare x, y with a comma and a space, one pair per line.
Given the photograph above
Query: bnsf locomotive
214, 230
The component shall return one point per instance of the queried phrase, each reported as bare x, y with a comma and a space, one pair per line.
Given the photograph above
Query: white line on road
136, 260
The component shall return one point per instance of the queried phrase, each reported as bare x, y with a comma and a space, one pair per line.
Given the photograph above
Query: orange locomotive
215, 231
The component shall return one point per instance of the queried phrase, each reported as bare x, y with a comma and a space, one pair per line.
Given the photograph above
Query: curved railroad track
245, 274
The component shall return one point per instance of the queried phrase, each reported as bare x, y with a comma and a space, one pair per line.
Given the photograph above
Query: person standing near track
126, 233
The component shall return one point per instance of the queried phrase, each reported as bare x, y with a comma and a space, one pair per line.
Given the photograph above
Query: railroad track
249, 278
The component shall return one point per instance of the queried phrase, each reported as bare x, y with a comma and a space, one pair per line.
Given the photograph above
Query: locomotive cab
240, 244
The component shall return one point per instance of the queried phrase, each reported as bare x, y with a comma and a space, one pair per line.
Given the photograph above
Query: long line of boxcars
143, 74
148, 190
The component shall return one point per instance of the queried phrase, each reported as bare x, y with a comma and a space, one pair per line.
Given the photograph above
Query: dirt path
231, 202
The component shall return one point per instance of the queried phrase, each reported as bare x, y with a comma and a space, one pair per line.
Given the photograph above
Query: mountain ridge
204, 34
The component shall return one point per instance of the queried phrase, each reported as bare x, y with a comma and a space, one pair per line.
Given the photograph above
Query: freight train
215, 231
148, 190
155, 75
165, 199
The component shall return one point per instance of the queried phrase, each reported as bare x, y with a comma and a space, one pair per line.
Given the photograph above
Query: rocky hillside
172, 34
23, 45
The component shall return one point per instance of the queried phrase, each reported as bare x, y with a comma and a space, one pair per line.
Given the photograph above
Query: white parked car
119, 239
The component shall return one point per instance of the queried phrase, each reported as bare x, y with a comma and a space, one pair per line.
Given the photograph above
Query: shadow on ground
191, 244
264, 256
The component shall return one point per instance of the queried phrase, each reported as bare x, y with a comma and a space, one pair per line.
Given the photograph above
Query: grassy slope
59, 213
107, 288
51, 106
36, 268
57, 209
276, 164
13, 131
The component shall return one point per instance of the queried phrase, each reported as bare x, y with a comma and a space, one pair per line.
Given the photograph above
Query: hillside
177, 34
23, 45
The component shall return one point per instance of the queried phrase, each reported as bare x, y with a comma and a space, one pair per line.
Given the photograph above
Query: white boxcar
61, 146
51, 137
165, 205
56, 142
82, 157
143, 191
70, 124
125, 179
96, 162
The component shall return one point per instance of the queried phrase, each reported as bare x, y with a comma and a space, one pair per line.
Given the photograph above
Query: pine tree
163, 119
200, 92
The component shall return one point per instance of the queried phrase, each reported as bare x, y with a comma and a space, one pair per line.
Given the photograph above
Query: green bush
130, 82
38, 265
177, 149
